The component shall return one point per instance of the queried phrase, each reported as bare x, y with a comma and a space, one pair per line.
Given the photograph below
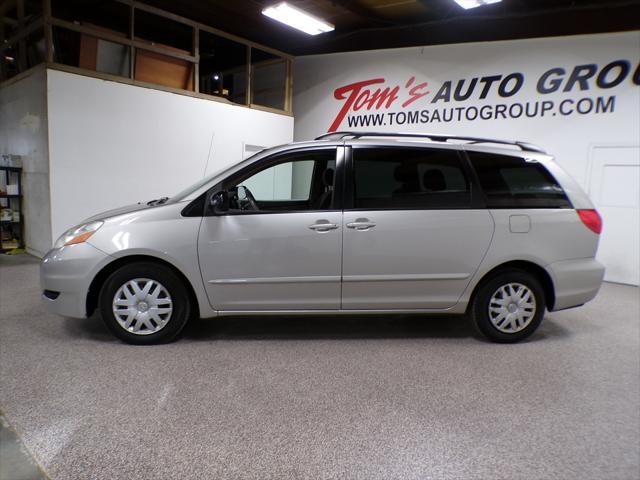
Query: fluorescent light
297, 18
467, 4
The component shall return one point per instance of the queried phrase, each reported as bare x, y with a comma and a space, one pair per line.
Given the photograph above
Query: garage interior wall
592, 130
23, 131
113, 144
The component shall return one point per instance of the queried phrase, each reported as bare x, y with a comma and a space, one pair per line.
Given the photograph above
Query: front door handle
361, 224
323, 226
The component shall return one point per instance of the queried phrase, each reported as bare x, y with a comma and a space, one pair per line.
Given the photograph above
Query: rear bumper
68, 272
575, 281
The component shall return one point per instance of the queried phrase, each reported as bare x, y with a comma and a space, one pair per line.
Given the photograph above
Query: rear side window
513, 182
393, 178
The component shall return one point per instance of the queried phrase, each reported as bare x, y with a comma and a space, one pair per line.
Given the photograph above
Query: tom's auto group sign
376, 102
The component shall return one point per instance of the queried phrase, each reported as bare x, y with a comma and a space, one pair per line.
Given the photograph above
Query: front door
411, 237
279, 246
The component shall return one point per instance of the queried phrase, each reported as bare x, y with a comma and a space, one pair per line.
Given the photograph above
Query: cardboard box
163, 70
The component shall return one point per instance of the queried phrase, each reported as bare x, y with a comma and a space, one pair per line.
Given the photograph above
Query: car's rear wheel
509, 306
144, 303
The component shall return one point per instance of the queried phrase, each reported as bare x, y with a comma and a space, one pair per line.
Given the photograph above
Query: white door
614, 188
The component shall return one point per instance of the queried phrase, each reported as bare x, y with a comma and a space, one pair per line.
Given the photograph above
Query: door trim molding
405, 278
272, 280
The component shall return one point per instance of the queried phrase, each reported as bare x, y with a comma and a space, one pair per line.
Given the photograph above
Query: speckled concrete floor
361, 398
16, 463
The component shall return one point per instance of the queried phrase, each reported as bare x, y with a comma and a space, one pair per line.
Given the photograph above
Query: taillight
591, 219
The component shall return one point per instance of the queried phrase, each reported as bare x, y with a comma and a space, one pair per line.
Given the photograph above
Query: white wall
571, 138
23, 131
113, 144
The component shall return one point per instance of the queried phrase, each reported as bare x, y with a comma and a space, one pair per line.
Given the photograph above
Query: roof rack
525, 147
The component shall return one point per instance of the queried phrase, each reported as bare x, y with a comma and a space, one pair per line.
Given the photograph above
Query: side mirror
219, 202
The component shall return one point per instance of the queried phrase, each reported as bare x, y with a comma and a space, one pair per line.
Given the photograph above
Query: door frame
590, 159
588, 181
275, 159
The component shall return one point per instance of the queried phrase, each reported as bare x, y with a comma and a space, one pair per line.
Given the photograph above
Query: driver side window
284, 182
298, 181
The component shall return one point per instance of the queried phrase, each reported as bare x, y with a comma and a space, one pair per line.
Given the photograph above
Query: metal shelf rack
14, 203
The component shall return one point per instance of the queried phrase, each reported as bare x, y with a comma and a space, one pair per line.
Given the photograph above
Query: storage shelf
16, 227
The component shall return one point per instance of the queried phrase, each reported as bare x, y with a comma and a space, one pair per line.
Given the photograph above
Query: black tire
480, 305
167, 278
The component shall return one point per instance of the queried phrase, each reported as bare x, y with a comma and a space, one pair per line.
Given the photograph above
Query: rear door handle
323, 226
361, 224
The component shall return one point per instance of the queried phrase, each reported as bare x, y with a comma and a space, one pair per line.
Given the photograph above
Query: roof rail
525, 147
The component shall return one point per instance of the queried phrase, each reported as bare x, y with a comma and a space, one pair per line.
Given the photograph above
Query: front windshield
181, 195
192, 188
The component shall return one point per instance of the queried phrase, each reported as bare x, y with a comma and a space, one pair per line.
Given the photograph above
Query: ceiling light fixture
297, 18
467, 4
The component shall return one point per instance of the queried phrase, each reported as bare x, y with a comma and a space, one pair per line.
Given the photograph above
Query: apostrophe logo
363, 96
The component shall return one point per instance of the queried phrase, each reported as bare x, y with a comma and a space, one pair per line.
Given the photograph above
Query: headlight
78, 234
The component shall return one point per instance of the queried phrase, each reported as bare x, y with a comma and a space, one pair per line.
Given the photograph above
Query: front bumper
575, 281
69, 272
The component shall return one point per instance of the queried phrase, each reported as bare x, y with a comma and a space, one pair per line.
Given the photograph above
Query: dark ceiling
373, 24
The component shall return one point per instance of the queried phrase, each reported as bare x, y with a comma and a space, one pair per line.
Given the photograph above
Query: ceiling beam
356, 8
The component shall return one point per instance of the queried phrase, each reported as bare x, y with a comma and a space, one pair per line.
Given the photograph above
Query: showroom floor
356, 398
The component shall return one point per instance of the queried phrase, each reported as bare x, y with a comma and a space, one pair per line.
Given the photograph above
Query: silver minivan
351, 223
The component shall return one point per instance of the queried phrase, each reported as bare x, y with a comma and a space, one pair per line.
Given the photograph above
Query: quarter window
393, 178
514, 182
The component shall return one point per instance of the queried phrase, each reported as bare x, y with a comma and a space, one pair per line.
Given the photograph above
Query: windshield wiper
158, 201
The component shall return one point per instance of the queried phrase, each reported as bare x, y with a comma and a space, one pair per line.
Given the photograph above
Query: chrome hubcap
142, 306
512, 307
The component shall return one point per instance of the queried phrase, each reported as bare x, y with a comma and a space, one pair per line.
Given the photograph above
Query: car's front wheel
144, 303
509, 306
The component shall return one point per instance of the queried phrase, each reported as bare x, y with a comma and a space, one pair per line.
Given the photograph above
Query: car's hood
119, 211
